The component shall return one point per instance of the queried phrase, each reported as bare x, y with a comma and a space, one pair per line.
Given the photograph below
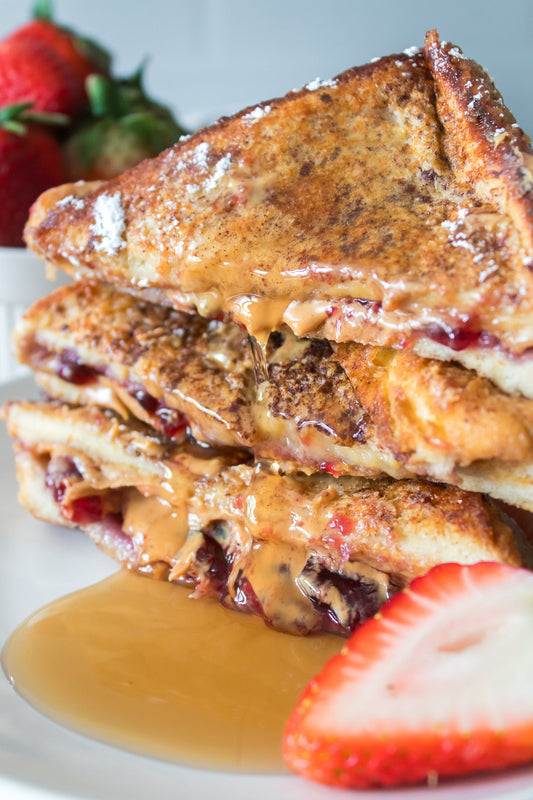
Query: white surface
40, 760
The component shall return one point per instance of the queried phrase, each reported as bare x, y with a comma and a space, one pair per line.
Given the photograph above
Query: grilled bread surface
347, 409
239, 531
390, 205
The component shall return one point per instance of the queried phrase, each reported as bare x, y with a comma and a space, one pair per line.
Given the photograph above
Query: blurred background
209, 57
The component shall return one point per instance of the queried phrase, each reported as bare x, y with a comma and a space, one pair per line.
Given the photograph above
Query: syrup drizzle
136, 663
154, 672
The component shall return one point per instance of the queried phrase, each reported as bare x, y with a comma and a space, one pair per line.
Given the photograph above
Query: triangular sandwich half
392, 205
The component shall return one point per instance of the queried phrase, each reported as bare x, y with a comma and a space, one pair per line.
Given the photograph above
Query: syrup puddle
136, 663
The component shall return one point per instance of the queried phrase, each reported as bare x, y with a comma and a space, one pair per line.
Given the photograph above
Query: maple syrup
136, 663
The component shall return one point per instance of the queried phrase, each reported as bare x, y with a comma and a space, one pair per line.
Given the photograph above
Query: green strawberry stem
14, 118
126, 100
105, 97
14, 110
42, 9
123, 126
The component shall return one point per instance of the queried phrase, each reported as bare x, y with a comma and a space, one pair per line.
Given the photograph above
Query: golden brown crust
333, 210
400, 527
347, 409
428, 410
483, 142
201, 369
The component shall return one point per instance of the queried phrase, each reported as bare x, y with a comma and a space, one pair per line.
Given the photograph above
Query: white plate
39, 759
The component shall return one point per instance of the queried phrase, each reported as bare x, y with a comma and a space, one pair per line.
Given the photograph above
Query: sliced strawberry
437, 684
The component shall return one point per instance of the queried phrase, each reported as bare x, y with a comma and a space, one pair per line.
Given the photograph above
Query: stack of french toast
295, 368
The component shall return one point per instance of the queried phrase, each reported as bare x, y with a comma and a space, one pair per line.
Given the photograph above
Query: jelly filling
168, 420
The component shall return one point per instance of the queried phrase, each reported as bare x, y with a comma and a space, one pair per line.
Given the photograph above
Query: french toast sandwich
307, 553
346, 409
390, 206
296, 360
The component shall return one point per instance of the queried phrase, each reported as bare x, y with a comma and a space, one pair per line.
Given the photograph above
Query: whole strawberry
47, 65
83, 55
437, 684
31, 72
125, 126
30, 162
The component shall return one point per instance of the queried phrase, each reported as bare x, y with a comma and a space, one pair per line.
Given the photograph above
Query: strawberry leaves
58, 100
15, 117
124, 127
127, 101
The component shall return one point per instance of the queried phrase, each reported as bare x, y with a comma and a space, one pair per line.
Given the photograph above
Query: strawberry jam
343, 602
461, 337
87, 509
71, 369
216, 562
246, 599
60, 472
168, 420
173, 423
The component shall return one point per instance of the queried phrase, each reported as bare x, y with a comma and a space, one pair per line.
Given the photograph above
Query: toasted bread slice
308, 553
347, 409
391, 205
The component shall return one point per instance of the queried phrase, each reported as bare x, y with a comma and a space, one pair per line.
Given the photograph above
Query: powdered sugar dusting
458, 236
411, 51
453, 225
489, 271
198, 169
499, 135
200, 154
109, 223
441, 56
484, 107
320, 84
477, 97
71, 200
455, 52
221, 167
256, 113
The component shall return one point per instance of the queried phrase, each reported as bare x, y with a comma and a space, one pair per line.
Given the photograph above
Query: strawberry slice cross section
437, 684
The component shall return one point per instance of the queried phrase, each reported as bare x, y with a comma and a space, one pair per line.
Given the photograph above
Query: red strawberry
437, 684
31, 72
83, 56
30, 162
